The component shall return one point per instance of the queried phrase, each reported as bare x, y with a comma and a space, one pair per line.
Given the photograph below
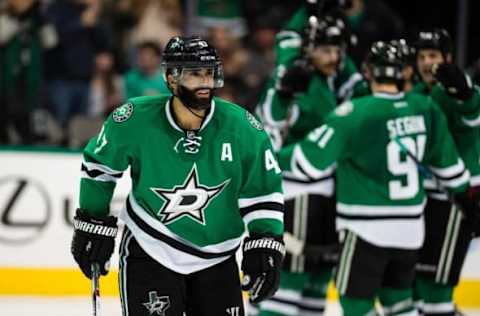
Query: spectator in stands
261, 61
244, 69
157, 20
24, 35
71, 64
371, 21
120, 17
234, 58
207, 14
106, 88
147, 78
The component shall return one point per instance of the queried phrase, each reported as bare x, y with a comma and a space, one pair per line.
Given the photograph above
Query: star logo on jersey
157, 305
189, 199
122, 113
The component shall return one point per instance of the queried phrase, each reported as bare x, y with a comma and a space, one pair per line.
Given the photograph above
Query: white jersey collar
391, 96
174, 124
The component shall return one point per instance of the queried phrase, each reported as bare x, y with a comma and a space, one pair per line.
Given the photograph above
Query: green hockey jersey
378, 186
464, 124
192, 193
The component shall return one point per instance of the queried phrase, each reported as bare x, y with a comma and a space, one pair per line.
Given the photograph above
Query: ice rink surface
81, 306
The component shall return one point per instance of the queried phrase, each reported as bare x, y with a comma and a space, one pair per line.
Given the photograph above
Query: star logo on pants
189, 199
157, 305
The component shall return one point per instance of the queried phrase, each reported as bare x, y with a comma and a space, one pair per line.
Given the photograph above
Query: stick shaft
425, 169
95, 289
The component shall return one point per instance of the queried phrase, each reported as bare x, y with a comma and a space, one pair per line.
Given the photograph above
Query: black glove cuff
264, 243
106, 226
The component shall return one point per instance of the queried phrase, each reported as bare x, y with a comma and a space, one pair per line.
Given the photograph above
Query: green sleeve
470, 110
274, 110
287, 49
289, 40
349, 82
467, 112
261, 195
442, 156
104, 160
274, 106
315, 156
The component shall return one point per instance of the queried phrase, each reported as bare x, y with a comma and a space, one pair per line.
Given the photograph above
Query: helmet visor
194, 76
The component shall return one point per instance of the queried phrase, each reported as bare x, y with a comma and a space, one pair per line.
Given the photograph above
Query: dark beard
190, 100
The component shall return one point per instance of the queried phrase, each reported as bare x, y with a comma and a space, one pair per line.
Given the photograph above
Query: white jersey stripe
101, 167
102, 178
293, 189
438, 308
379, 210
157, 225
456, 182
263, 214
310, 171
475, 180
274, 197
288, 295
280, 308
450, 171
313, 302
475, 122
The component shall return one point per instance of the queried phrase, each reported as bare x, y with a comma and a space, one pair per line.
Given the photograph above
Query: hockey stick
95, 289
424, 169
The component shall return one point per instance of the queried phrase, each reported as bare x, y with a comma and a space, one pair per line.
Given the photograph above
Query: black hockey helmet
328, 30
190, 53
406, 52
436, 38
385, 62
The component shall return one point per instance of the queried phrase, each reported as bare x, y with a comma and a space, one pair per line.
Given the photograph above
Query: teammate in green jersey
447, 234
312, 74
202, 171
380, 198
310, 208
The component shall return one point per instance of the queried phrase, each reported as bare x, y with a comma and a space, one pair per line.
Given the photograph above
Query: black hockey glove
93, 241
454, 80
262, 260
295, 79
469, 205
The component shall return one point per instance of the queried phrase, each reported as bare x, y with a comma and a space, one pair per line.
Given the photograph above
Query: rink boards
38, 196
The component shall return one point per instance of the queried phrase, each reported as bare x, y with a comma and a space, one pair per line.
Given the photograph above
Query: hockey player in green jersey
447, 234
312, 73
309, 208
380, 198
202, 170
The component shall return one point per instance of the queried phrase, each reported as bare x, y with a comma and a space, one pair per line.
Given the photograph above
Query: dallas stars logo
157, 304
189, 199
